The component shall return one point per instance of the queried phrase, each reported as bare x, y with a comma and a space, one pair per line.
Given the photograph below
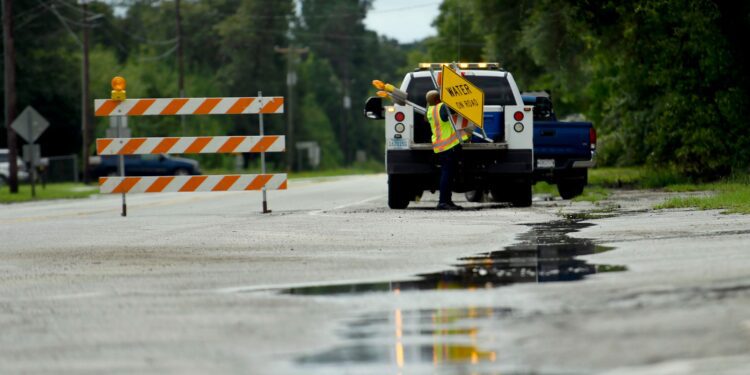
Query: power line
404, 8
65, 24
53, 9
33, 9
163, 55
73, 7
140, 38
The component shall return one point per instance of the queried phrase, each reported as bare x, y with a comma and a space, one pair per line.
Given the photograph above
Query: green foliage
229, 50
50, 191
458, 38
665, 82
635, 177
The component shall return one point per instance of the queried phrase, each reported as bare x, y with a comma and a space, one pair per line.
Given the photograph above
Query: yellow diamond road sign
462, 96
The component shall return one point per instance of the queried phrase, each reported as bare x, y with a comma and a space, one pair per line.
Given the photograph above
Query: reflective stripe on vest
443, 135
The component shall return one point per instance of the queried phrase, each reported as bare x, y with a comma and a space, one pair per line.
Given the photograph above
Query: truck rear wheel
521, 195
398, 192
499, 194
475, 196
570, 189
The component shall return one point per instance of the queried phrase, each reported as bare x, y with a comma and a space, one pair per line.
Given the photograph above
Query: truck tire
475, 196
499, 194
521, 195
570, 189
398, 192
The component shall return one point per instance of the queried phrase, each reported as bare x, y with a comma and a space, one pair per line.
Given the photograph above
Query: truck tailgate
553, 139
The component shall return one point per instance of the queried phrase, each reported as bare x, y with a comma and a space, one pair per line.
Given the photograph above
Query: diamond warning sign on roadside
462, 96
29, 125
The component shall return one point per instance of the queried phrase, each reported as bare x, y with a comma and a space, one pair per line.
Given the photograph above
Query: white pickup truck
503, 166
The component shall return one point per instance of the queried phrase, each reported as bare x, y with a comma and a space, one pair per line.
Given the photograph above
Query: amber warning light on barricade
118, 88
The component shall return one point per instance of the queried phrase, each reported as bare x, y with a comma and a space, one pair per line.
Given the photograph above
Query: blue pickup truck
144, 165
563, 151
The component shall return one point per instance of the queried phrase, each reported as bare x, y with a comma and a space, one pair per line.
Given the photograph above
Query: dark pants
448, 161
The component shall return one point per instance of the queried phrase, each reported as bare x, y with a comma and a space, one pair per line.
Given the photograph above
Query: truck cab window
497, 90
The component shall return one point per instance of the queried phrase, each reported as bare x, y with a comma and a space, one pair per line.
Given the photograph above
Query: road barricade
190, 145
121, 107
188, 184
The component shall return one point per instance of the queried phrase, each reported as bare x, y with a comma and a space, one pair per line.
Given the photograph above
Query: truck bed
562, 141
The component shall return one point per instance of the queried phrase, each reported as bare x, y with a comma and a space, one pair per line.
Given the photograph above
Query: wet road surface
333, 282
401, 341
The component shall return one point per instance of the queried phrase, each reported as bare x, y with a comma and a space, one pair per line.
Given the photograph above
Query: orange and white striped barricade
190, 106
120, 107
190, 145
189, 184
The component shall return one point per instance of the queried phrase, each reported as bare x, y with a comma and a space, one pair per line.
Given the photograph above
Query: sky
403, 20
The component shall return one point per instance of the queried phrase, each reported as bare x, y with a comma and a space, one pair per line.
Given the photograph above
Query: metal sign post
263, 156
121, 163
30, 125
32, 164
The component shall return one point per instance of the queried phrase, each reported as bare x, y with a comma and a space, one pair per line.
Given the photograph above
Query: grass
545, 188
593, 194
602, 180
731, 195
66, 190
634, 177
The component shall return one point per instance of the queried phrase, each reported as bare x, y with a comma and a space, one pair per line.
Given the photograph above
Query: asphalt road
198, 283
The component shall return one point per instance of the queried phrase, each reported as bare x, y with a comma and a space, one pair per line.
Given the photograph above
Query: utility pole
291, 53
180, 66
85, 124
9, 62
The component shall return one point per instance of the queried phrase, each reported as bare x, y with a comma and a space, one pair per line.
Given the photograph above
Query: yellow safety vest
443, 135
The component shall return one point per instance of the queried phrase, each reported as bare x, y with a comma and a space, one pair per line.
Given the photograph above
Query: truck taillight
400, 116
592, 138
518, 116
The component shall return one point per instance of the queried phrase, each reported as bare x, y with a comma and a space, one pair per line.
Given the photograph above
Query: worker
446, 145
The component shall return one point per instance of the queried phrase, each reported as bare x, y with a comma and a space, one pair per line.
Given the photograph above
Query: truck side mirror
374, 108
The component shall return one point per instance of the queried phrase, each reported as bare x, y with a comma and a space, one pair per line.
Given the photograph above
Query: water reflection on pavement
451, 339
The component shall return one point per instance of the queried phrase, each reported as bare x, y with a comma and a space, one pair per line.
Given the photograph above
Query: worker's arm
444, 112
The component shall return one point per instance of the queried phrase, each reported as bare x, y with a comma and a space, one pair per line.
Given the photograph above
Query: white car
23, 175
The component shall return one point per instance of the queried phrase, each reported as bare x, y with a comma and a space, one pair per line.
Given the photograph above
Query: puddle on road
413, 340
452, 338
545, 254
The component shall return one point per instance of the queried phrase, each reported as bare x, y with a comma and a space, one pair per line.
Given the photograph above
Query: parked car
23, 174
143, 165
